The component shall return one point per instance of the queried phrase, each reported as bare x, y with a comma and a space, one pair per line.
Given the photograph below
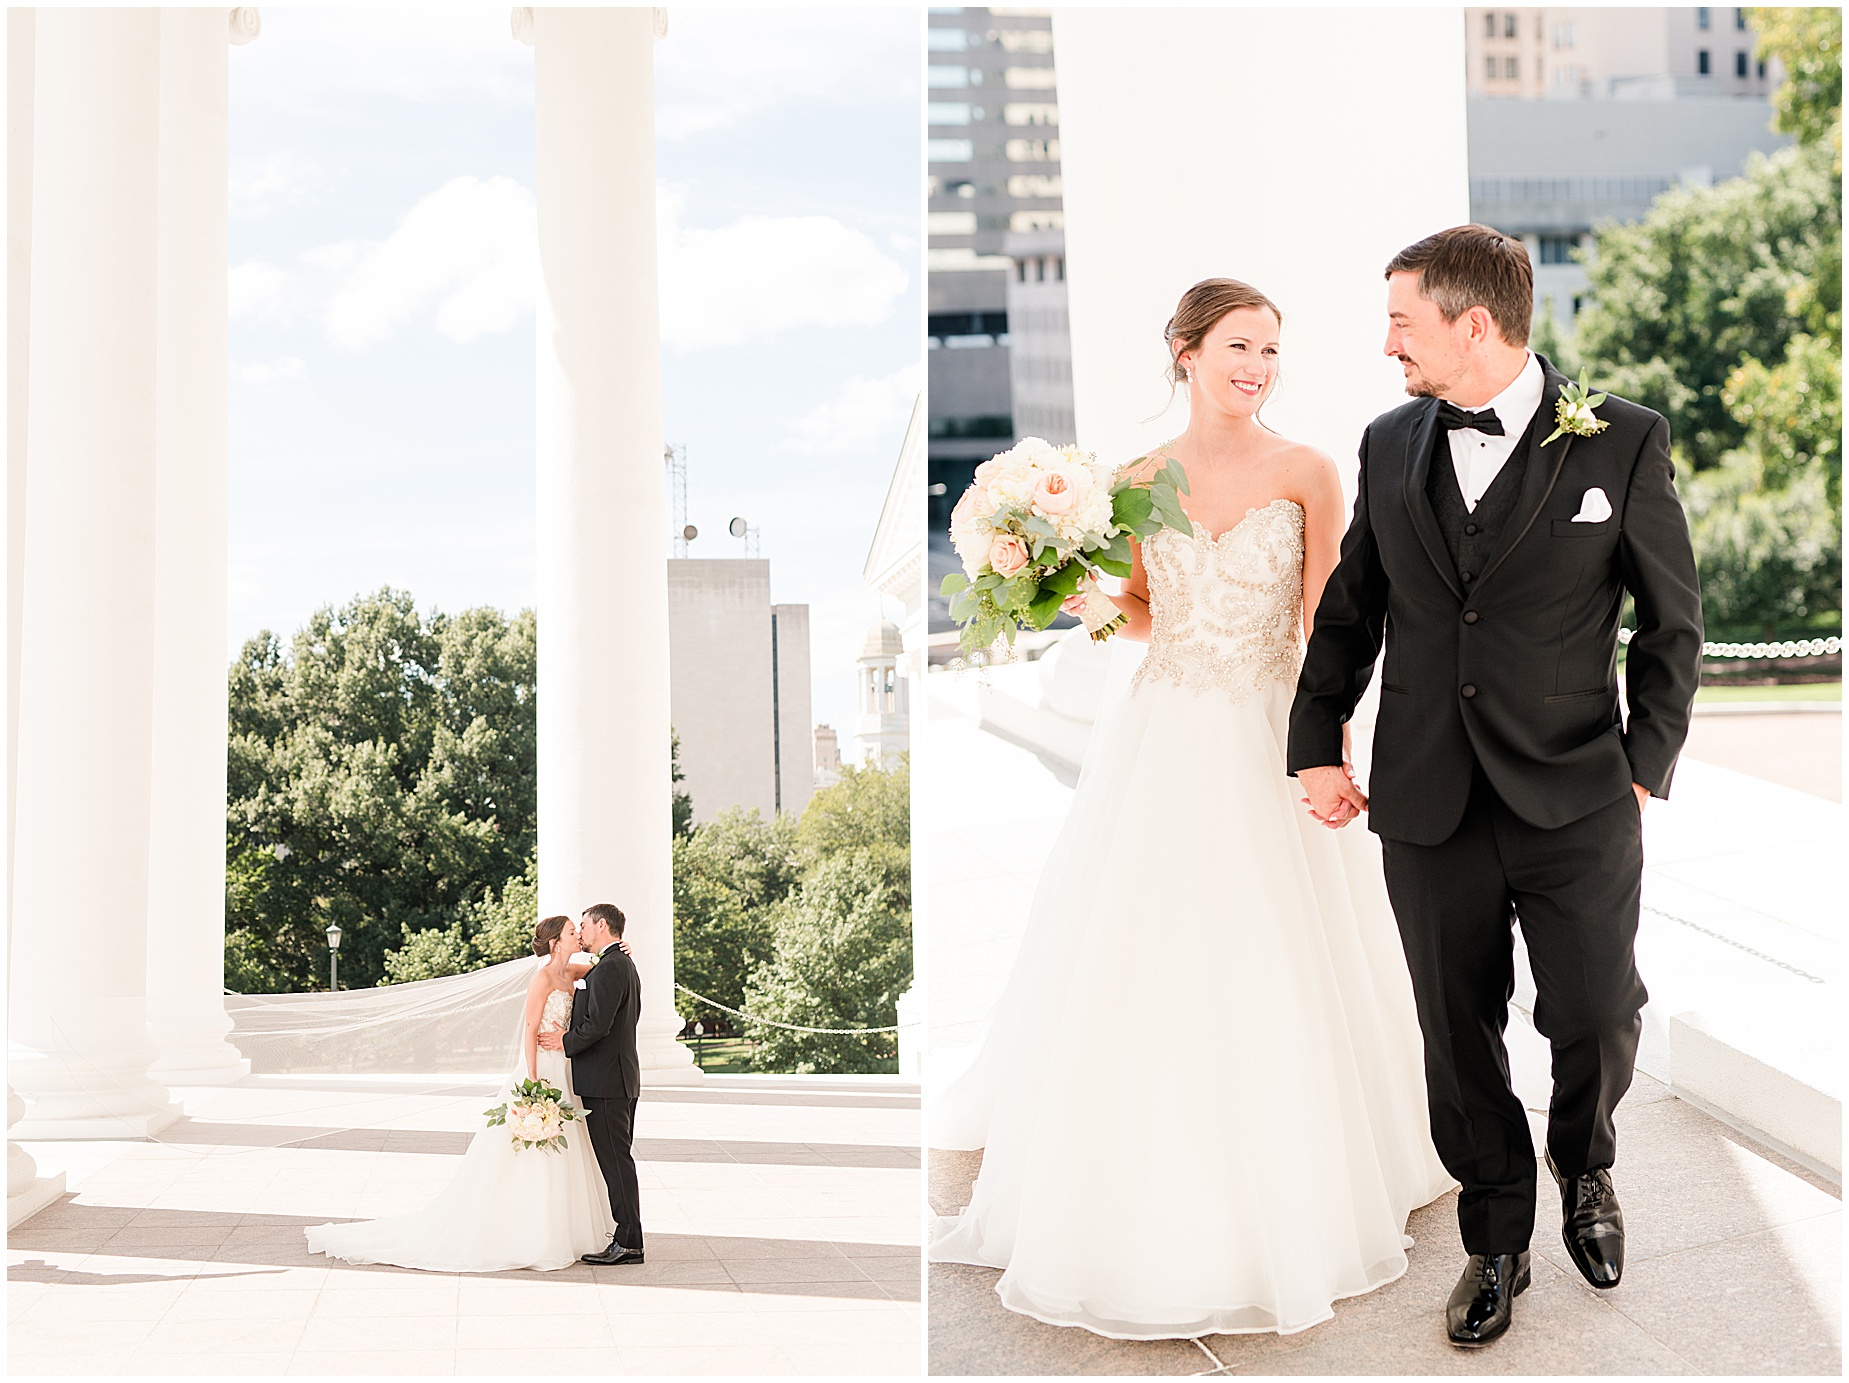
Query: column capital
660, 17
520, 20
246, 25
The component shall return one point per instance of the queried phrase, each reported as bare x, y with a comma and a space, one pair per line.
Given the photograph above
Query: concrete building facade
1625, 53
738, 671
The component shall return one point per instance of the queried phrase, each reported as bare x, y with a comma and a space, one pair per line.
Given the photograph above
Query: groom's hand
552, 1041
1643, 796
1333, 797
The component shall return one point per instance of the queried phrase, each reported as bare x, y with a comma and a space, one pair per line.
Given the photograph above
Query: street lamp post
699, 1050
333, 957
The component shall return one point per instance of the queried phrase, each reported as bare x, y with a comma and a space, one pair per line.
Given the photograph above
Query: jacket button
1471, 529
1469, 690
1470, 617
1465, 575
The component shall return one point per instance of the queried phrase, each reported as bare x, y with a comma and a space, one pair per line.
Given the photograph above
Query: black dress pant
612, 1125
1576, 892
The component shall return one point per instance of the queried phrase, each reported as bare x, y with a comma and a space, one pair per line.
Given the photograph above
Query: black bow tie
1451, 417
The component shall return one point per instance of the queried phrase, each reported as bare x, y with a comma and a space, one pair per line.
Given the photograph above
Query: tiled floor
1733, 1267
782, 1239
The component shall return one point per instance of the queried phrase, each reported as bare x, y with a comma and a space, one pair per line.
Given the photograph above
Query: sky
381, 295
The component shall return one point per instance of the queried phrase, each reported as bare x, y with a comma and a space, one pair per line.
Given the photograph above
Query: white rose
1581, 415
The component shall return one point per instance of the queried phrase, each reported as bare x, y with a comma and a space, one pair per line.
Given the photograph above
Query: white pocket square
577, 984
1593, 508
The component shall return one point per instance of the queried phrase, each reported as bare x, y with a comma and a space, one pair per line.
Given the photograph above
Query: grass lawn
721, 1055
1798, 691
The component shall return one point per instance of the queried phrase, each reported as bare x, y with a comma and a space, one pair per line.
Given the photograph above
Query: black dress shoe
1592, 1225
614, 1256
1482, 1303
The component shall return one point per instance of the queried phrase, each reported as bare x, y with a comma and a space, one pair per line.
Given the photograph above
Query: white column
1343, 141
604, 822
186, 865
27, 1192
78, 978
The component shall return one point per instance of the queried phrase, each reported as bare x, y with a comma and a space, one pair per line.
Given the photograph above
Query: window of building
1036, 113
946, 40
1511, 68
950, 150
1031, 151
1489, 68
1030, 78
991, 425
947, 112
1489, 24
946, 78
1025, 40
1739, 64
1762, 69
1739, 18
1034, 185
1037, 221
1701, 62
950, 223
1701, 17
1508, 26
1558, 249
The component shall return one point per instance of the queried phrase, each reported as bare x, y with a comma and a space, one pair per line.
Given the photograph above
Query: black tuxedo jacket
1517, 671
601, 1040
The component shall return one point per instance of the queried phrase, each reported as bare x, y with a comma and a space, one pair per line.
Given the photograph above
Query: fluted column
604, 823
186, 866
78, 978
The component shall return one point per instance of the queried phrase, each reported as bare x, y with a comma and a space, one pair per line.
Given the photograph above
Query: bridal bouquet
1038, 525
536, 1116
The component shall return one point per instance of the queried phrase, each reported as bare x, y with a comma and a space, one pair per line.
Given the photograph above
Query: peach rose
1055, 493
1007, 554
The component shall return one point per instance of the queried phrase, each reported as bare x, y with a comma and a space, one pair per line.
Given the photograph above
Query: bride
1201, 1101
505, 1207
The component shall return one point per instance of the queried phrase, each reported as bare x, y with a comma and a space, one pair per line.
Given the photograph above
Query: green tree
730, 875
492, 929
682, 802
1709, 279
1808, 41
382, 777
842, 958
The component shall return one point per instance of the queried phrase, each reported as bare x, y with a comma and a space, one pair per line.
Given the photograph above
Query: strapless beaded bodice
1226, 613
555, 1016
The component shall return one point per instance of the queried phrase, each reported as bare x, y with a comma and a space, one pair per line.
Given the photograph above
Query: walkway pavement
782, 1219
1733, 1266
1743, 921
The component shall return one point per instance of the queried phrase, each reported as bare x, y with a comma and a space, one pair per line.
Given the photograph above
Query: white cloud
269, 371
720, 66
764, 274
316, 61
862, 415
257, 288
260, 187
468, 247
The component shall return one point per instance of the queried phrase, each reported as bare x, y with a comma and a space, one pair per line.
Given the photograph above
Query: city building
884, 727
1584, 115
1627, 53
738, 671
827, 757
895, 565
993, 151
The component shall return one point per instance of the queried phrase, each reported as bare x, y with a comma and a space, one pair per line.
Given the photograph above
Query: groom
1508, 783
601, 1043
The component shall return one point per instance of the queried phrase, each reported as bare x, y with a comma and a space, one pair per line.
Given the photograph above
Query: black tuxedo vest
1473, 535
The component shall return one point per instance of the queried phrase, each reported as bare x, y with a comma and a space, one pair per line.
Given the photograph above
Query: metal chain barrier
1790, 648
787, 1027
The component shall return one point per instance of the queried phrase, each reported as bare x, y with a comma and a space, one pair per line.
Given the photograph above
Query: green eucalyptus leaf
954, 582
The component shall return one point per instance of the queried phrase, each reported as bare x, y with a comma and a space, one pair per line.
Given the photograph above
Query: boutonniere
1573, 411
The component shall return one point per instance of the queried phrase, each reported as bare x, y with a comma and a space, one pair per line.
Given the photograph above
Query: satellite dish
689, 533
737, 528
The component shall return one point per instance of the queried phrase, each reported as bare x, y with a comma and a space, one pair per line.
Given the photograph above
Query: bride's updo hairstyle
1200, 307
546, 933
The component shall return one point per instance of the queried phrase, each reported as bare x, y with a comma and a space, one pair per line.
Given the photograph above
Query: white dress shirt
1479, 458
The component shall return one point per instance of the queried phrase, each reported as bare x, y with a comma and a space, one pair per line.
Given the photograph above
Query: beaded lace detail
1226, 613
555, 1016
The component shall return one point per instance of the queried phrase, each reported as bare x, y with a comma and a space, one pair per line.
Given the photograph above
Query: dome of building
883, 640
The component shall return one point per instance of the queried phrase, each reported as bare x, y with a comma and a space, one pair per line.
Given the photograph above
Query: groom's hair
1474, 266
609, 914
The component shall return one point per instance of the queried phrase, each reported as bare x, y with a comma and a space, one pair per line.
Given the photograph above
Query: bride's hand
623, 946
1333, 797
1072, 605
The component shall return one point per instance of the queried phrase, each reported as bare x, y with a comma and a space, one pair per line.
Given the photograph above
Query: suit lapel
1544, 464
1418, 505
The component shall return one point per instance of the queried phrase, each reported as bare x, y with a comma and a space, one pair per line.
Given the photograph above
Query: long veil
452, 1025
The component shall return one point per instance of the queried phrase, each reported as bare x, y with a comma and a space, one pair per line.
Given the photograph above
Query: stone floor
1801, 748
782, 1221
1734, 1267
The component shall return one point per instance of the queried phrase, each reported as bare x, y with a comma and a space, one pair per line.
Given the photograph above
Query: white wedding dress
505, 1207
1202, 1098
